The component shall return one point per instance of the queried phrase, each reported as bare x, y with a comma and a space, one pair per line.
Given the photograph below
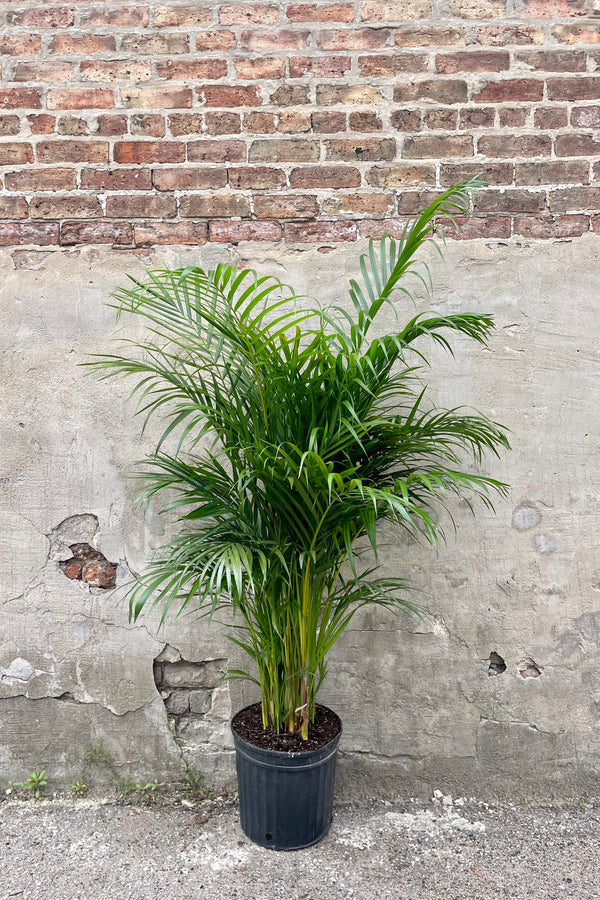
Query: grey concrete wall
421, 702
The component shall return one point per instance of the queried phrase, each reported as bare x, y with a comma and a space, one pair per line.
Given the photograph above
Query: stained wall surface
282, 136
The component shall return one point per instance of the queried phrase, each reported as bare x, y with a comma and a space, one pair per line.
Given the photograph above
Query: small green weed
194, 788
36, 783
79, 789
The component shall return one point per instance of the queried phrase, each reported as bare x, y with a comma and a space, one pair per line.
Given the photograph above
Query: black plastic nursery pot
286, 798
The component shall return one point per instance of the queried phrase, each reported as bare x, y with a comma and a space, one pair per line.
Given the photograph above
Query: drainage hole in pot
268, 837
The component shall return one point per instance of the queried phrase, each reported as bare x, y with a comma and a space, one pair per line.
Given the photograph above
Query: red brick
496, 227
394, 10
365, 122
585, 116
15, 153
135, 152
248, 14
116, 179
214, 206
261, 67
511, 201
553, 172
429, 146
117, 233
577, 145
320, 66
412, 202
596, 224
574, 199
549, 117
20, 44
549, 9
292, 206
400, 176
281, 150
308, 12
473, 61
20, 233
430, 37
80, 98
361, 149
324, 177
577, 34
477, 9
41, 124
19, 98
510, 146
82, 44
331, 94
480, 117
70, 207
181, 16
294, 122
47, 71
512, 117
185, 123
235, 232
225, 95
442, 91
192, 70
106, 70
53, 17
553, 60
503, 35
256, 178
147, 234
178, 97
406, 120
13, 207
140, 206
548, 227
317, 232
127, 16
440, 119
289, 95
511, 89
111, 125
216, 151
328, 122
9, 125
155, 44
376, 228
390, 66
353, 39
147, 125
198, 179
492, 173
358, 205
213, 41
259, 123
271, 39
223, 123
574, 88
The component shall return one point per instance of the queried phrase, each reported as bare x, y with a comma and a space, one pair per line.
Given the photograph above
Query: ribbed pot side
286, 799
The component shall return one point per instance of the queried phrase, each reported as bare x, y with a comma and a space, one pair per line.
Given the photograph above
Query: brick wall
174, 123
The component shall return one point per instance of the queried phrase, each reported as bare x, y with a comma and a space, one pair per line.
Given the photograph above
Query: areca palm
298, 432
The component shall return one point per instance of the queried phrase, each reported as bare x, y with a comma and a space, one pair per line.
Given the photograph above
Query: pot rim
258, 753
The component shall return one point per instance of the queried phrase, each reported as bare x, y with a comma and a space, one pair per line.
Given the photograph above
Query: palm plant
296, 432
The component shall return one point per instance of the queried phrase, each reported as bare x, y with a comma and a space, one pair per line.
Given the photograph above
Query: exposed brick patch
90, 567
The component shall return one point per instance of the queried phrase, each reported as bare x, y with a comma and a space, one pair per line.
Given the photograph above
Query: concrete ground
380, 850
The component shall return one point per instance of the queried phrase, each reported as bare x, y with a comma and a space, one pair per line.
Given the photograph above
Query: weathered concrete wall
421, 703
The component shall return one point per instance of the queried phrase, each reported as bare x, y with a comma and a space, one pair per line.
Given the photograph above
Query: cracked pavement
375, 850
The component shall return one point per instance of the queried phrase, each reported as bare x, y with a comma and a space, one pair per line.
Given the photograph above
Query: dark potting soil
248, 725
